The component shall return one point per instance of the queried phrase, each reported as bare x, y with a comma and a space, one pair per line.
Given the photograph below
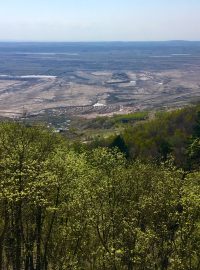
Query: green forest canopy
93, 209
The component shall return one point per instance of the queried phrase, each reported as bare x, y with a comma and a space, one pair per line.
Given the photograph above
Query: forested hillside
175, 133
68, 207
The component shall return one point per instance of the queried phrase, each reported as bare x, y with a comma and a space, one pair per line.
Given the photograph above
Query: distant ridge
183, 41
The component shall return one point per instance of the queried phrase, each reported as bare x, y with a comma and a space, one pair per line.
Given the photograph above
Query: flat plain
93, 79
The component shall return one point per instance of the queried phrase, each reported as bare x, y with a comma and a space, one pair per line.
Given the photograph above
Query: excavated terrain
97, 79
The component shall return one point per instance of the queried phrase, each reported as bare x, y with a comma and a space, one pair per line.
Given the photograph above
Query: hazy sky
99, 20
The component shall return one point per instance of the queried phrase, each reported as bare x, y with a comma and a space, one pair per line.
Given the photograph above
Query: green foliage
68, 208
119, 143
193, 149
131, 117
168, 133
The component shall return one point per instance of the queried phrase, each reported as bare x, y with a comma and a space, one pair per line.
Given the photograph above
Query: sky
99, 20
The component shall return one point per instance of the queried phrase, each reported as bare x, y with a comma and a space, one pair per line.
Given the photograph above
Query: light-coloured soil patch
145, 90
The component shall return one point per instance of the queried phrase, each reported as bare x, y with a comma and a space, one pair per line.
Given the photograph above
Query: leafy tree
66, 208
120, 144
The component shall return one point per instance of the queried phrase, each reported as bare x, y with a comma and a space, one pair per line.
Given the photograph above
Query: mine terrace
91, 79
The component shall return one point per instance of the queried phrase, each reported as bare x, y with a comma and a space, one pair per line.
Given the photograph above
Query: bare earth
95, 93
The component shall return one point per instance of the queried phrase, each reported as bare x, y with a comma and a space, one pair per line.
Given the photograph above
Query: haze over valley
97, 78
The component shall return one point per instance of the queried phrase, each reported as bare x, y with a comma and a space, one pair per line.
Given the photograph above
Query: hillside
65, 205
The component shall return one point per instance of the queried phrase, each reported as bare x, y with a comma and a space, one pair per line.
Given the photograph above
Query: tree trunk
2, 237
18, 237
38, 237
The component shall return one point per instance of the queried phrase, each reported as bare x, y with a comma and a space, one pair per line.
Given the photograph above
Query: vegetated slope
63, 209
168, 133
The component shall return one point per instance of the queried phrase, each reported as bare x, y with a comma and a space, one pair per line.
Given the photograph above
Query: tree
25, 185
119, 143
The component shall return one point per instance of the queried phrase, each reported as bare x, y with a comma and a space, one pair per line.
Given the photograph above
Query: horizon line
94, 41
